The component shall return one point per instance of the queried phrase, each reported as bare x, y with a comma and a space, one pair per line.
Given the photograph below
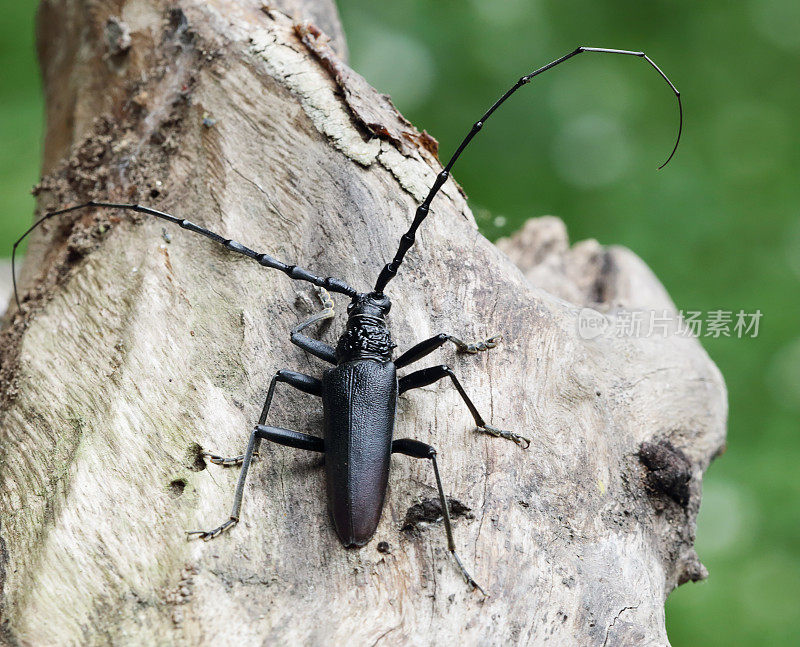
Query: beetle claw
467, 577
325, 299
476, 586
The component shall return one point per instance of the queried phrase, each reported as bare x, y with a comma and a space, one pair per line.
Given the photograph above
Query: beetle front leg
302, 382
285, 437
427, 376
314, 346
416, 449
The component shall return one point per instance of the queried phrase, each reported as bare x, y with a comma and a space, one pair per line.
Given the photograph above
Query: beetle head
369, 304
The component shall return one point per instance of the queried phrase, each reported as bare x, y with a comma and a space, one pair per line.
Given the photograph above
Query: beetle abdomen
359, 400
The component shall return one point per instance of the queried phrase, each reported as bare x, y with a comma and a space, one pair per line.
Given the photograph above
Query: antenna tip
680, 130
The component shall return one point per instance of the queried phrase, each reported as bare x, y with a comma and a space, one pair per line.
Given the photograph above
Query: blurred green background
720, 225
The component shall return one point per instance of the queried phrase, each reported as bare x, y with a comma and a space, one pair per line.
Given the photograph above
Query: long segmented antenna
292, 271
407, 239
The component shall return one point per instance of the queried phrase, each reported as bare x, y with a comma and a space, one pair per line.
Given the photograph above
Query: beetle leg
416, 449
418, 351
473, 348
427, 376
314, 346
304, 383
278, 435
225, 461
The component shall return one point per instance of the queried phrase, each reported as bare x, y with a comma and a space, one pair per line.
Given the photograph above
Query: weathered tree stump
138, 345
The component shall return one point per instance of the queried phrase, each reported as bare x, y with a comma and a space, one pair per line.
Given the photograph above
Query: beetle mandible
359, 394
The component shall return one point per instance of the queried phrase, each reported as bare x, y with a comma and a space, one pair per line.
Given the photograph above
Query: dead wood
138, 345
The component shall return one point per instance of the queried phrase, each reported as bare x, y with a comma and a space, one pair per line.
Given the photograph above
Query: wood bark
138, 345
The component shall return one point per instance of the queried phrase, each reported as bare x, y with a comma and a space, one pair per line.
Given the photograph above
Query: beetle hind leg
417, 449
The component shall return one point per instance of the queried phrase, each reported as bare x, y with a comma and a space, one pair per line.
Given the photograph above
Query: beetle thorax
367, 334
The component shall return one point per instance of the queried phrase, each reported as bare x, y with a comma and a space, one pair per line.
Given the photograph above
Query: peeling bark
139, 345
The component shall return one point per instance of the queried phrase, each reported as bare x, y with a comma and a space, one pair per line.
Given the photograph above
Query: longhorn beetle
359, 394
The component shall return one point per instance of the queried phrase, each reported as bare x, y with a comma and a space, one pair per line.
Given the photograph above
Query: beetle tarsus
326, 312
417, 449
522, 441
207, 535
476, 347
226, 461
467, 577
327, 302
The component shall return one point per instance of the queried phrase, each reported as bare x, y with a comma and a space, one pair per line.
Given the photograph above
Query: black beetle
359, 394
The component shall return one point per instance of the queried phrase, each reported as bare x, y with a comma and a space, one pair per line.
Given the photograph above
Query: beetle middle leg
278, 435
417, 449
420, 350
427, 376
305, 383
302, 382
